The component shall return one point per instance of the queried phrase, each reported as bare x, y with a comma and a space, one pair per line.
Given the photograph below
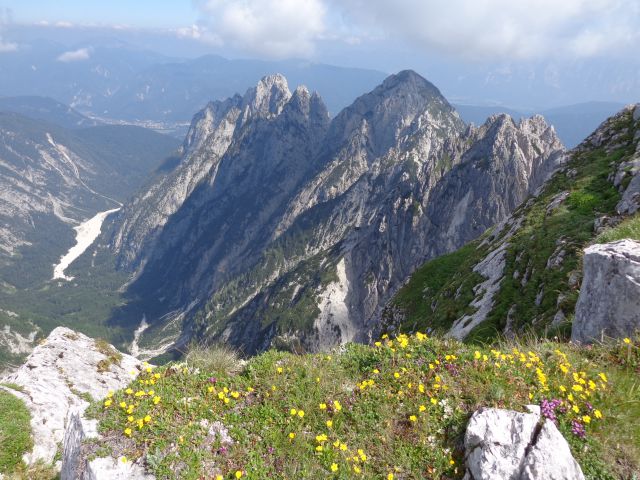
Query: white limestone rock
57, 378
508, 445
550, 457
115, 469
609, 301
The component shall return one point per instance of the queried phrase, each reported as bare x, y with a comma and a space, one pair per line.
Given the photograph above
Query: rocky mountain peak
386, 114
410, 82
307, 107
267, 98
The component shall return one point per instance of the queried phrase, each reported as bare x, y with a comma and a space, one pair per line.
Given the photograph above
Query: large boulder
508, 445
59, 378
609, 301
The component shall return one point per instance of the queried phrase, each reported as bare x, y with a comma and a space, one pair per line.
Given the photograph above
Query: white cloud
7, 46
479, 29
275, 28
516, 29
75, 55
6, 19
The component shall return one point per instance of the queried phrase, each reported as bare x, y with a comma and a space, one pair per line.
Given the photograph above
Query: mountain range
115, 82
277, 224
281, 226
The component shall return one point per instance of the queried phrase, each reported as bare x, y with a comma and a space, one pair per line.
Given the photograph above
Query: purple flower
577, 429
222, 450
212, 380
452, 369
548, 408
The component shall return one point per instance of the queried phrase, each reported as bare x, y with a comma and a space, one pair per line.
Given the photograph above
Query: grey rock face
55, 378
326, 219
211, 133
508, 445
609, 301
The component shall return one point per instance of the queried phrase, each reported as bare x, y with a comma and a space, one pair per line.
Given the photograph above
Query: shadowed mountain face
279, 226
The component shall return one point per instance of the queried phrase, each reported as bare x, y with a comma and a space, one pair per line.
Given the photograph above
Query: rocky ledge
57, 382
508, 445
609, 302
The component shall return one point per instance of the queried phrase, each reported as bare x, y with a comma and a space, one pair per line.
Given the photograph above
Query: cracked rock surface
509, 445
59, 377
609, 301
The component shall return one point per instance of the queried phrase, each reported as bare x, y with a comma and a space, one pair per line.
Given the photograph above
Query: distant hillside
117, 81
51, 179
574, 122
46, 109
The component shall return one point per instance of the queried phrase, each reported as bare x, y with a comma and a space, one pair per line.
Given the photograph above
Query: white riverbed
86, 234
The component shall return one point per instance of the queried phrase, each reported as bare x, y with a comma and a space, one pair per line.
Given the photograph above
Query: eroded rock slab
609, 301
61, 375
509, 445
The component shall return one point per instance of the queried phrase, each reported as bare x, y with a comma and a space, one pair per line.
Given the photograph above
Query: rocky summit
281, 226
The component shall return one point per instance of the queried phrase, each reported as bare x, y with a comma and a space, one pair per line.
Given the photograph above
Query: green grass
15, 432
440, 291
13, 386
628, 228
398, 407
217, 359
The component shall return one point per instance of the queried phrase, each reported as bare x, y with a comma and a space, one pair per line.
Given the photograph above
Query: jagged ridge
525, 273
299, 228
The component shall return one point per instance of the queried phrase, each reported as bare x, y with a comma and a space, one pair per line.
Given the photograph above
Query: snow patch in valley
334, 312
135, 348
86, 233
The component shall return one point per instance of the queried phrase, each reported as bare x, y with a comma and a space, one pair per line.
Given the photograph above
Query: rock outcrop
58, 379
508, 445
609, 301
76, 465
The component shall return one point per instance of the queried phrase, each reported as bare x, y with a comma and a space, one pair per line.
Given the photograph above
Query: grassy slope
439, 292
402, 407
15, 437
